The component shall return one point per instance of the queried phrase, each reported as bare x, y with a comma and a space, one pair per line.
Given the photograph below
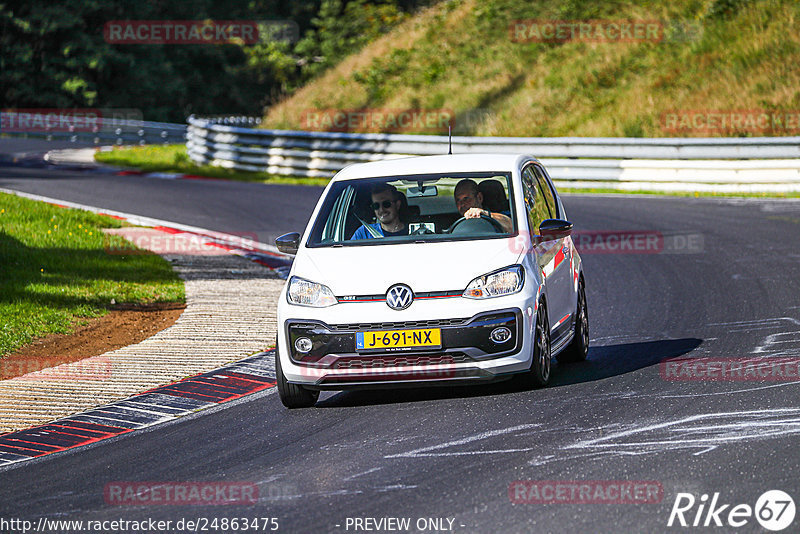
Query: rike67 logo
774, 510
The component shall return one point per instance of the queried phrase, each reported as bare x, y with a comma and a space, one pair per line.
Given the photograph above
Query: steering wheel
495, 224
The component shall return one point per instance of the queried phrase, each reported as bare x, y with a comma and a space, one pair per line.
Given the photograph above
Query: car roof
433, 165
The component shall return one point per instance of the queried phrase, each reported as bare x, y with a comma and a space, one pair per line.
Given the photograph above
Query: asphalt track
453, 453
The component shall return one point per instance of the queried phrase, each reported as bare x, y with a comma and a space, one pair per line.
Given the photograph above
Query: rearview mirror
554, 229
422, 191
288, 243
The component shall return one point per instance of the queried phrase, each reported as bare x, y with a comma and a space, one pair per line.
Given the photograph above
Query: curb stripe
152, 407
160, 404
29, 453
36, 446
111, 430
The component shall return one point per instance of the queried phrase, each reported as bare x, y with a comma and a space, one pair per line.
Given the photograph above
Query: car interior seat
361, 209
494, 195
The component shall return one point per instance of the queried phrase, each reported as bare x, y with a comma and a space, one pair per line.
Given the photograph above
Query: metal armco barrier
116, 132
768, 164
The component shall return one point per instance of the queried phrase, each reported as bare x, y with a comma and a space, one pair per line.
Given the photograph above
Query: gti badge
399, 297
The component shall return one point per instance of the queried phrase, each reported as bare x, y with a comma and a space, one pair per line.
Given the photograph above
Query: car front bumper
466, 354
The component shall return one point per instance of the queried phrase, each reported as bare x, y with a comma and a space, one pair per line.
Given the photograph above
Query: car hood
371, 270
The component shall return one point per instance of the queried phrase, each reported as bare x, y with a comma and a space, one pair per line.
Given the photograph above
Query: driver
469, 201
386, 203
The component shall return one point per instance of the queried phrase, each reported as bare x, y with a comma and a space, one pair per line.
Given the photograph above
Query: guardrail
695, 164
113, 131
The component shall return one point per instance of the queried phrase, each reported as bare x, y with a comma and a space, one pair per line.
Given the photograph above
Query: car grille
401, 361
397, 325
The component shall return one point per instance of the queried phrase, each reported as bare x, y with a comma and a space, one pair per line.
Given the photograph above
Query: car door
561, 278
553, 256
541, 253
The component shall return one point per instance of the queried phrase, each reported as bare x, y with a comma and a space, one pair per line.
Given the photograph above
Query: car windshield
400, 209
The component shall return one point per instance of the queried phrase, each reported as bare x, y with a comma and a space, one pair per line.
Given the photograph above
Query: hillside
716, 64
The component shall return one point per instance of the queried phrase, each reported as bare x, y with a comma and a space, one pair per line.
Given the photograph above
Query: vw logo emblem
399, 297
501, 334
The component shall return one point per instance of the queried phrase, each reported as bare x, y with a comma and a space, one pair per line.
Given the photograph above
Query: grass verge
173, 158
711, 56
57, 273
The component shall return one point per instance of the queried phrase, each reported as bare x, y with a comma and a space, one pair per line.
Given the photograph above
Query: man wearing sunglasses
386, 204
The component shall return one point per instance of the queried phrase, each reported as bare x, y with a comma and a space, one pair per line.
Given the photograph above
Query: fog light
501, 334
303, 344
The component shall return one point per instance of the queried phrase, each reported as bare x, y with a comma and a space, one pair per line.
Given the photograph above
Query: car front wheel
578, 348
292, 395
539, 373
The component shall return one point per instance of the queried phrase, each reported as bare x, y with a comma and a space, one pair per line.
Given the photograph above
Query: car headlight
496, 284
307, 293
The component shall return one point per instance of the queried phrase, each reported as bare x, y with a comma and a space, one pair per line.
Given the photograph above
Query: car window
547, 191
332, 229
425, 209
535, 202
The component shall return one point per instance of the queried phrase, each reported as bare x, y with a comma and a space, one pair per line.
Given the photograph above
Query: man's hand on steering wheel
495, 224
503, 222
474, 213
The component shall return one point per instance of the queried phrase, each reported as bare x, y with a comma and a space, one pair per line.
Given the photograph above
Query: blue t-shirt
363, 233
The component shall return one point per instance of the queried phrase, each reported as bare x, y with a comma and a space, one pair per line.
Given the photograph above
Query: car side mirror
554, 229
288, 243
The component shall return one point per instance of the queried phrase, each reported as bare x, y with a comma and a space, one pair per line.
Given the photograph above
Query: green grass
717, 55
56, 272
173, 158
459, 55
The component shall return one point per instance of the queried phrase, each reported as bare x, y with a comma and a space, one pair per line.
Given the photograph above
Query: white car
395, 283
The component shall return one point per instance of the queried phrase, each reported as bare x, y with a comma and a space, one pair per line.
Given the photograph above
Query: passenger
469, 202
387, 202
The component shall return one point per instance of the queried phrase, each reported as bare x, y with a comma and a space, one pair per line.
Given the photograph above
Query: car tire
292, 395
578, 348
539, 373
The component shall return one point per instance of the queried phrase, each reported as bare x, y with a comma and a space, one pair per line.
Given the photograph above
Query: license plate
399, 339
